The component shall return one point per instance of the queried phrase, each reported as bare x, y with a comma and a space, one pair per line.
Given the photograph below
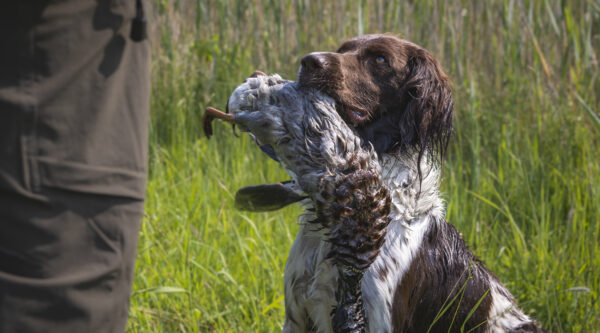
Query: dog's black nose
312, 62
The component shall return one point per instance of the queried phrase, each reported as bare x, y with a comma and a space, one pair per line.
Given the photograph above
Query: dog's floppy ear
428, 104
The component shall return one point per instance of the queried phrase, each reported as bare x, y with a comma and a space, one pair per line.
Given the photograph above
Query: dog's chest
311, 279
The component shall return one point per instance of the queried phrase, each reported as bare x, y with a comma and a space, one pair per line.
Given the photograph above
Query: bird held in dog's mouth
255, 198
329, 166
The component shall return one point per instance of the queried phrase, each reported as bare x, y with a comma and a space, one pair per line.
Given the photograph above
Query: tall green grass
522, 178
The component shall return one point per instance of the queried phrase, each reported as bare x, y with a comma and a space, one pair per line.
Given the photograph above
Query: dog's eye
380, 60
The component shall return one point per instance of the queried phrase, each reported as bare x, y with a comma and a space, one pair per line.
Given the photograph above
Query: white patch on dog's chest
411, 216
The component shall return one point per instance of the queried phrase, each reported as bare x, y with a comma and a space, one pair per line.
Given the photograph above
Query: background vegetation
522, 178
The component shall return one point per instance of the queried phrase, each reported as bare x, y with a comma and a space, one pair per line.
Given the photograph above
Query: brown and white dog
399, 99
412, 269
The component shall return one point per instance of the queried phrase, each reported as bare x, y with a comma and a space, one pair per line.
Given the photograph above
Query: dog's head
393, 91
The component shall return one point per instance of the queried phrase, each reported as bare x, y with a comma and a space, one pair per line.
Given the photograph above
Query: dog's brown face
392, 90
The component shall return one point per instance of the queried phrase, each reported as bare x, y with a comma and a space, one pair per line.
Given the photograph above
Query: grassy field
521, 181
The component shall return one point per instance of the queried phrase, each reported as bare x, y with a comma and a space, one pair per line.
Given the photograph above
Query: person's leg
74, 107
66, 264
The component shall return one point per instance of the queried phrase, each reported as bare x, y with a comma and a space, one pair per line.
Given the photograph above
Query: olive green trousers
74, 105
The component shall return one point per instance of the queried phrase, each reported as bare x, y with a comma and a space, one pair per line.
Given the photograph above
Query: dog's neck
412, 196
